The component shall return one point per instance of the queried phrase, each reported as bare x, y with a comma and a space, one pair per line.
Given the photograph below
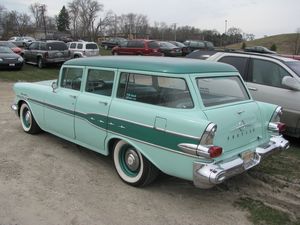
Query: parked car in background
138, 47
21, 41
187, 118
270, 78
9, 59
42, 53
184, 49
201, 54
83, 49
259, 49
12, 46
168, 49
196, 44
112, 42
297, 57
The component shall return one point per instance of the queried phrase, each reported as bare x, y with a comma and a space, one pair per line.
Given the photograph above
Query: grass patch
30, 73
105, 52
261, 214
285, 164
286, 43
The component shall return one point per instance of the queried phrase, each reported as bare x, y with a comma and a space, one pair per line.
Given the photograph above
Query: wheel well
111, 144
19, 106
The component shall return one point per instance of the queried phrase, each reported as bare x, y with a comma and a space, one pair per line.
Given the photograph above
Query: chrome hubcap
27, 118
132, 160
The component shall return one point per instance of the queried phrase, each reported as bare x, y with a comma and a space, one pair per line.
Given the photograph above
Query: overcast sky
259, 17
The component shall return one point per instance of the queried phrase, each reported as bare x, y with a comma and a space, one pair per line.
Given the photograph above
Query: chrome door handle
102, 102
252, 88
73, 96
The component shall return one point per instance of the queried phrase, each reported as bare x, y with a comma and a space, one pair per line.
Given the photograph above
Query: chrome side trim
148, 126
162, 148
198, 150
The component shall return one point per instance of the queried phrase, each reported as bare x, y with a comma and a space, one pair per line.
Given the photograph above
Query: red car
12, 46
297, 57
137, 47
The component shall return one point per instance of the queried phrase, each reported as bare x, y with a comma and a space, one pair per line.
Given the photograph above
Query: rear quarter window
221, 90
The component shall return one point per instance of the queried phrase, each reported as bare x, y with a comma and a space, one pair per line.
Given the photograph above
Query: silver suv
270, 78
83, 49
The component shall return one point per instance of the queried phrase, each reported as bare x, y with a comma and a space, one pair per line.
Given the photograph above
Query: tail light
46, 55
275, 125
215, 151
207, 139
205, 148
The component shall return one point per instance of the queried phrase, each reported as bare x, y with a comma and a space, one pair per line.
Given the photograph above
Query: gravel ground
46, 180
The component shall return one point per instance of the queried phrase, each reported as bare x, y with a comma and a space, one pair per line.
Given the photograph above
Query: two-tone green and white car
189, 119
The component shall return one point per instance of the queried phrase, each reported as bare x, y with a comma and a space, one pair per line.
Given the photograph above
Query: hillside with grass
285, 43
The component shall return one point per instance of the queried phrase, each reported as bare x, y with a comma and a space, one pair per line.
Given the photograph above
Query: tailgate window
57, 46
221, 90
91, 46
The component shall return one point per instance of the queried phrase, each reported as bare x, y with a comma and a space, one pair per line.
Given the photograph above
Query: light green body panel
94, 120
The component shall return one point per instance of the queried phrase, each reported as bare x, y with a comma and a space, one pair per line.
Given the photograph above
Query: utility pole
175, 29
43, 9
225, 26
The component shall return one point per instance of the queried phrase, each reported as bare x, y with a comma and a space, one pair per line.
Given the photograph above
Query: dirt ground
46, 180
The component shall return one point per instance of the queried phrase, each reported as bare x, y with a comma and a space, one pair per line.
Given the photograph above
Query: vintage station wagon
190, 119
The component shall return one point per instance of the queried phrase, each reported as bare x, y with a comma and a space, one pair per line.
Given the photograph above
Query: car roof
153, 64
240, 53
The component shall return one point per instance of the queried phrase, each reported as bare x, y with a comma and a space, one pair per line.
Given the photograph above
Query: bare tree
107, 25
83, 14
35, 10
134, 25
74, 11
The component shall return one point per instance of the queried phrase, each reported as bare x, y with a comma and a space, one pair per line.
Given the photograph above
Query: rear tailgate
237, 125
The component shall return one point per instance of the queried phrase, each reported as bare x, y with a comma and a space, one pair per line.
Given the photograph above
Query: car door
60, 104
30, 53
92, 108
265, 84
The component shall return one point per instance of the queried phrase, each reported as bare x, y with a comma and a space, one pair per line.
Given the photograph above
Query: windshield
295, 66
221, 90
5, 50
166, 45
8, 44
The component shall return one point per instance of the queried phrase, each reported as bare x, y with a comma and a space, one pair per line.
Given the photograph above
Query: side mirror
291, 83
54, 86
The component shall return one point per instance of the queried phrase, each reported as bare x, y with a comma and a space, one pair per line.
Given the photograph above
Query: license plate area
12, 64
248, 158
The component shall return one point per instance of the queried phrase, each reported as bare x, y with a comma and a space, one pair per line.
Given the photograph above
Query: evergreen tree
63, 20
243, 45
273, 47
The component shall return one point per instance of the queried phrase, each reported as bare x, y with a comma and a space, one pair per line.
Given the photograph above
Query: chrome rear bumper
207, 175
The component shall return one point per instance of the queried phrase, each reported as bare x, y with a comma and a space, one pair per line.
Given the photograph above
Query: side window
267, 73
79, 46
238, 62
34, 46
153, 44
43, 46
156, 90
71, 78
73, 45
100, 82
130, 44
